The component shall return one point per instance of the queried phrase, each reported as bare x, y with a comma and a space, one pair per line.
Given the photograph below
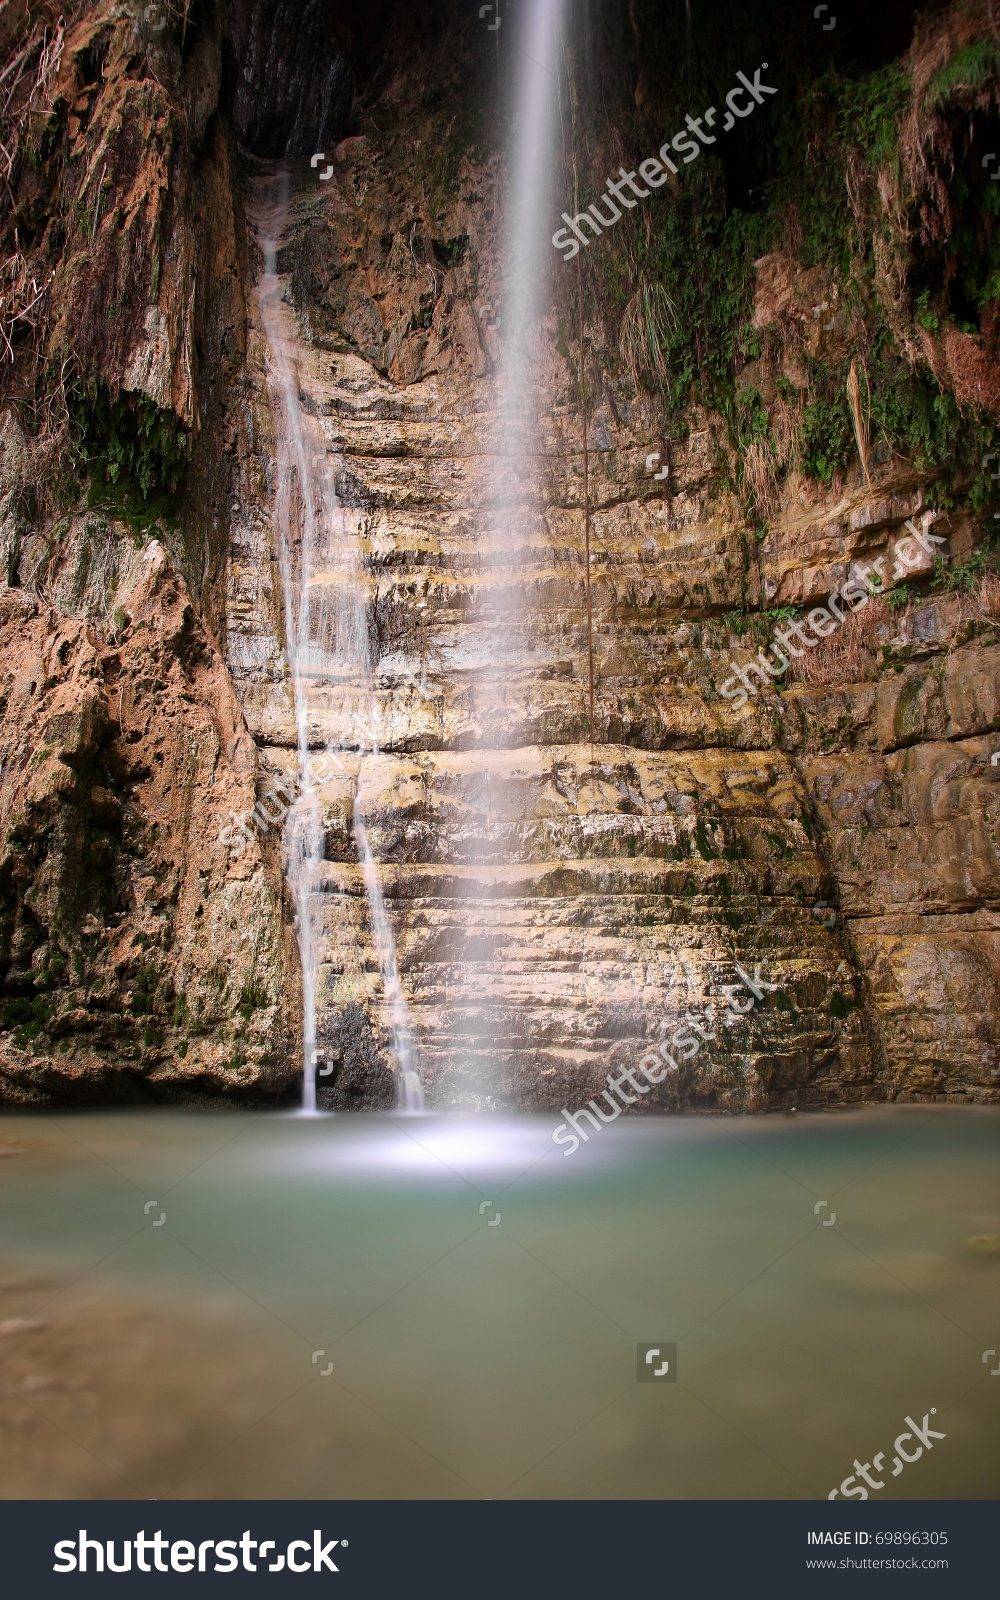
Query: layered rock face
563, 895
558, 903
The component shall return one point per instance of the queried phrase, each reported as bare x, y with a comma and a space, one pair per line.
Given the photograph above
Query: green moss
905, 719
42, 1009
15, 1011
467, 135
252, 998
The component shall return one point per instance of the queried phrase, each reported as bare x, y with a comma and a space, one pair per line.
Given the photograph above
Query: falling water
327, 642
511, 529
528, 252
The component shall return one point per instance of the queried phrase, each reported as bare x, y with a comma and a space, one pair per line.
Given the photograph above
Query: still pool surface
442, 1307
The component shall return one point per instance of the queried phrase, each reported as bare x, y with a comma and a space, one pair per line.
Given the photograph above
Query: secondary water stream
326, 637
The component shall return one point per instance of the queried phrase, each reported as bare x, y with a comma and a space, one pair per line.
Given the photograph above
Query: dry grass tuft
951, 65
981, 602
32, 51
760, 476
647, 323
853, 653
32, 36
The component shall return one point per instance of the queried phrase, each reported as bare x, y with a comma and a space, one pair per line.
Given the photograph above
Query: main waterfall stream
326, 637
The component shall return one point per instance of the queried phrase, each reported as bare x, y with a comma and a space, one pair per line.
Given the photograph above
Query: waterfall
326, 638
512, 521
527, 265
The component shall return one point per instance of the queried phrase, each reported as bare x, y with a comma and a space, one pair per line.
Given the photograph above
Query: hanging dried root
20, 296
860, 416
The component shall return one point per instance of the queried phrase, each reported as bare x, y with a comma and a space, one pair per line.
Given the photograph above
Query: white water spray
528, 252
528, 257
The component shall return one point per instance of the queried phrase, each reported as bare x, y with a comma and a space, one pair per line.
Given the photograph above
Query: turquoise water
175, 1358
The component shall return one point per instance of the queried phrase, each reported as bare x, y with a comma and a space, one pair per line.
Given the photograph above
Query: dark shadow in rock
362, 1080
293, 87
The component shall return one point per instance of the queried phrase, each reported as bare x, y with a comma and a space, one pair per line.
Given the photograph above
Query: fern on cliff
135, 454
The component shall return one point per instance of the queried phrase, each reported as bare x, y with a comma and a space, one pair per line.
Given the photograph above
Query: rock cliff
563, 891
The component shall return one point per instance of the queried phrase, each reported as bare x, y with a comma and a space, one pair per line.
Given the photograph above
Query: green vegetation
961, 576
136, 456
827, 434
27, 1018
898, 598
760, 625
870, 109
680, 283
450, 252
14, 1012
968, 69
